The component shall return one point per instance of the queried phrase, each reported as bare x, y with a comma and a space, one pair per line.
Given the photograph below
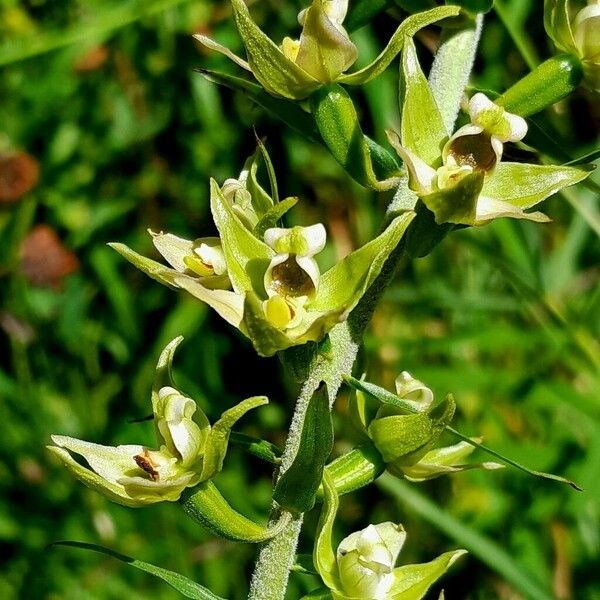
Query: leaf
304, 565
422, 130
211, 44
337, 121
452, 67
297, 487
525, 185
407, 28
185, 586
228, 304
388, 398
346, 282
247, 257
275, 72
324, 557
218, 437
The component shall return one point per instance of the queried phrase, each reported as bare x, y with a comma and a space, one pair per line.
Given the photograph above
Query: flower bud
586, 33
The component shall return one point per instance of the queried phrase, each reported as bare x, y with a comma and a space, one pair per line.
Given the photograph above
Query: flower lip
288, 278
473, 150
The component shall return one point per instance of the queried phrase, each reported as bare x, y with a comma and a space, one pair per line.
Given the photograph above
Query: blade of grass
108, 20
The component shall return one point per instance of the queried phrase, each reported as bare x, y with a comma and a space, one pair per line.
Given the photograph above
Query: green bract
277, 297
189, 452
461, 179
364, 565
578, 35
406, 439
321, 55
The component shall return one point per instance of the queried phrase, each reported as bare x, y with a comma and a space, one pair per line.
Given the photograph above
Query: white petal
478, 103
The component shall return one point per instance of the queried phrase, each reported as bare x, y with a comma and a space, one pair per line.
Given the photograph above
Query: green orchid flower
405, 439
190, 450
322, 54
461, 179
363, 567
266, 282
578, 35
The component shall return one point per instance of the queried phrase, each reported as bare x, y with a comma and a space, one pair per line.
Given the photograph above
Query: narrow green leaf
318, 594
452, 67
270, 170
339, 126
185, 586
297, 487
275, 72
347, 281
422, 128
387, 397
480, 546
304, 564
408, 27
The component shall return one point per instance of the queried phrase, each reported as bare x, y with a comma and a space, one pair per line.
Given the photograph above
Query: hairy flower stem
276, 557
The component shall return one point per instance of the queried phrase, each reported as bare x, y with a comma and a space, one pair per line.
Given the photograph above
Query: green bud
578, 36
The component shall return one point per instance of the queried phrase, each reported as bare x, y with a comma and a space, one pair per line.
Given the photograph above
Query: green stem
276, 557
552, 81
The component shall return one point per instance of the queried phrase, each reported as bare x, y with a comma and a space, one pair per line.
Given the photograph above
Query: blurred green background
105, 131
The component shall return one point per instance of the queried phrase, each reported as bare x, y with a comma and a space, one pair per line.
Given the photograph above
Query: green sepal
261, 201
215, 447
557, 23
186, 587
411, 582
272, 217
421, 127
205, 505
228, 304
275, 72
456, 204
553, 80
524, 185
297, 488
337, 121
346, 282
324, 557
409, 27
247, 257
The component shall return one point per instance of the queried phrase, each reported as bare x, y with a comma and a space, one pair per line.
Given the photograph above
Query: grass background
103, 96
